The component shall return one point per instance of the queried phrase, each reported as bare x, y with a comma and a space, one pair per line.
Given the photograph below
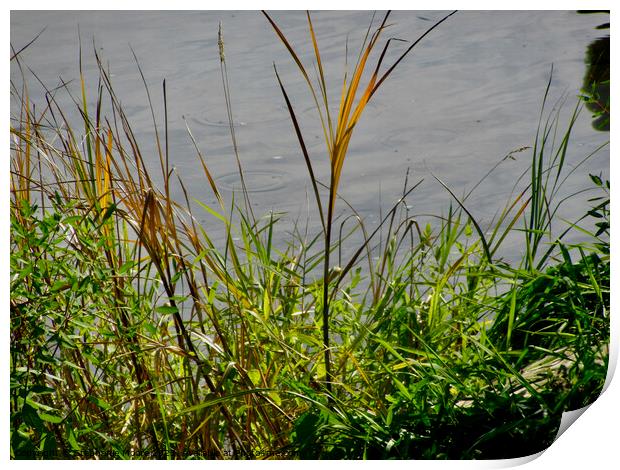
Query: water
467, 96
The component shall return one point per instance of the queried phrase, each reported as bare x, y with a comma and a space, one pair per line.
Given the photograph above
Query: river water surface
467, 96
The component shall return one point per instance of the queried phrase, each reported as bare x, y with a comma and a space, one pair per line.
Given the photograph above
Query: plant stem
326, 297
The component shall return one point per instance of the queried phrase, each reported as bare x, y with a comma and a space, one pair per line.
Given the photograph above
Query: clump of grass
166, 337
134, 336
338, 131
465, 356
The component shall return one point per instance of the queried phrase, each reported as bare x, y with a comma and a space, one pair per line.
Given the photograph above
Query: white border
590, 443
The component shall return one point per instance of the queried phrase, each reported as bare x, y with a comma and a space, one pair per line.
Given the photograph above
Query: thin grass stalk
231, 123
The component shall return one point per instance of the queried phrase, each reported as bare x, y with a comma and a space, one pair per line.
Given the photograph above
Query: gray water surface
467, 96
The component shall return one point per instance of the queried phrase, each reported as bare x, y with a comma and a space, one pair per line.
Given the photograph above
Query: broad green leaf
166, 309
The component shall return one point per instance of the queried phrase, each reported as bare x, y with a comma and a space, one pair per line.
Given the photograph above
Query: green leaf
275, 396
166, 309
390, 415
72, 441
126, 267
41, 389
211, 211
31, 418
49, 446
150, 328
219, 400
50, 418
99, 402
254, 376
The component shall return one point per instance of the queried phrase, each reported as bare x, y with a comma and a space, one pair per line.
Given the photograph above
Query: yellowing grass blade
303, 71
107, 180
329, 136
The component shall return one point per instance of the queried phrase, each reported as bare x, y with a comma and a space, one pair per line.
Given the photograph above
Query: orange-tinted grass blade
329, 137
348, 99
303, 71
107, 186
99, 167
288, 46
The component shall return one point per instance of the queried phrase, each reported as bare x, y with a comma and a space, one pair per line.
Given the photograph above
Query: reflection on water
596, 80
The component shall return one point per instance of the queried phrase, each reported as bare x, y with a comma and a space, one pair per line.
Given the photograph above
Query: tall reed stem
337, 139
328, 239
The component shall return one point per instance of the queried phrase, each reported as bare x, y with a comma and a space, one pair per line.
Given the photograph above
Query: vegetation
134, 336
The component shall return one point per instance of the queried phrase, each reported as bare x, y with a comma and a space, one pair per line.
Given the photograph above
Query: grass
134, 336
338, 131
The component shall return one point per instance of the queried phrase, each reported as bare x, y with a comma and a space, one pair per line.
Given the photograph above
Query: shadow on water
596, 80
